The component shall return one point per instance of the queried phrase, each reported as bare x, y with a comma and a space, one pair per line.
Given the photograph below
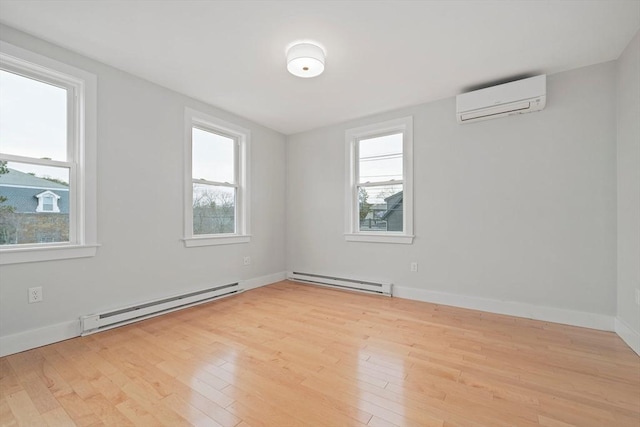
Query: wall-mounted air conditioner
518, 97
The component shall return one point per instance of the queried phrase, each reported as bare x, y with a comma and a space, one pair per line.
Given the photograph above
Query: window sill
380, 238
48, 253
191, 242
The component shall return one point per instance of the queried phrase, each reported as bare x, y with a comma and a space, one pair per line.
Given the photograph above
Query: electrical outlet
35, 294
414, 267
246, 260
638, 296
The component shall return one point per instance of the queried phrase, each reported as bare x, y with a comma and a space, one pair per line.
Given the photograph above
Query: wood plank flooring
295, 355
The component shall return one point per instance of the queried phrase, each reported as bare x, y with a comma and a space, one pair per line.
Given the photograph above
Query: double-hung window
47, 158
379, 190
216, 181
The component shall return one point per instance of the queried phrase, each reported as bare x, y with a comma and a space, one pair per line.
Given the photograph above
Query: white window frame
81, 155
54, 202
402, 125
242, 138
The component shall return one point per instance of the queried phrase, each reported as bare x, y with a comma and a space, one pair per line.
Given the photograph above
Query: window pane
33, 118
21, 189
380, 158
214, 209
380, 208
213, 156
47, 203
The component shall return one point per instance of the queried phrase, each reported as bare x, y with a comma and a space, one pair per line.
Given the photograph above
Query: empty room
320, 213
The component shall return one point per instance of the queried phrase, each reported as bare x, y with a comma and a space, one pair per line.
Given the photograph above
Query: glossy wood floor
297, 355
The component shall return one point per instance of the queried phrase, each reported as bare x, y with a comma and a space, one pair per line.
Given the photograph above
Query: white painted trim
379, 238
54, 203
511, 308
352, 136
33, 338
34, 160
46, 252
26, 340
628, 335
230, 239
81, 154
263, 280
242, 185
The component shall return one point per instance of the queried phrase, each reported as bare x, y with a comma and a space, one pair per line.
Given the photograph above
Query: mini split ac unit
518, 97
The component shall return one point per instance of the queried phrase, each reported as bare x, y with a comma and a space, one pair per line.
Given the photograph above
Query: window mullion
35, 161
215, 183
76, 225
75, 220
238, 208
380, 183
354, 176
236, 163
71, 126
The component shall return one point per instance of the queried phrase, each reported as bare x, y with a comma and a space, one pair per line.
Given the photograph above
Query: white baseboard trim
263, 280
33, 338
528, 311
26, 340
628, 335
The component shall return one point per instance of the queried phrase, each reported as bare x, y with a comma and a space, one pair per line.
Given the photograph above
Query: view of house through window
34, 167
215, 184
380, 183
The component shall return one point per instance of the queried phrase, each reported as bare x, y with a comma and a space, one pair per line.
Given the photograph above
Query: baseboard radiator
342, 283
134, 313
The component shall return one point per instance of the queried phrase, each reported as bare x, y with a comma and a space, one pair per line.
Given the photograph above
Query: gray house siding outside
394, 214
24, 200
20, 221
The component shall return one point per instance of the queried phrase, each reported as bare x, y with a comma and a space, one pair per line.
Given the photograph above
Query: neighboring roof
15, 177
25, 200
21, 190
392, 203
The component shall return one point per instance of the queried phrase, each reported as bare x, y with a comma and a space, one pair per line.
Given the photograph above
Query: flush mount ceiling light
305, 60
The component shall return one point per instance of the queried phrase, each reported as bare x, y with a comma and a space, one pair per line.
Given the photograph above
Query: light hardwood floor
295, 355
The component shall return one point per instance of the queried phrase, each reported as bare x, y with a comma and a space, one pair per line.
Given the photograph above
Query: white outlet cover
35, 294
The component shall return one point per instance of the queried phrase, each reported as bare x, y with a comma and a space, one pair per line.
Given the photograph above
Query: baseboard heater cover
342, 283
100, 322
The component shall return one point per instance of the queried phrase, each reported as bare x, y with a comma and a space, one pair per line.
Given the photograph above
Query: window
47, 158
216, 181
379, 190
47, 202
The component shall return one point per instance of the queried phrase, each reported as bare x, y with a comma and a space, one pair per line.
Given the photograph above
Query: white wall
628, 115
518, 209
140, 222
513, 215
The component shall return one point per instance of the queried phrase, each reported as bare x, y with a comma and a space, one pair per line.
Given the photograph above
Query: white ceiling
381, 55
